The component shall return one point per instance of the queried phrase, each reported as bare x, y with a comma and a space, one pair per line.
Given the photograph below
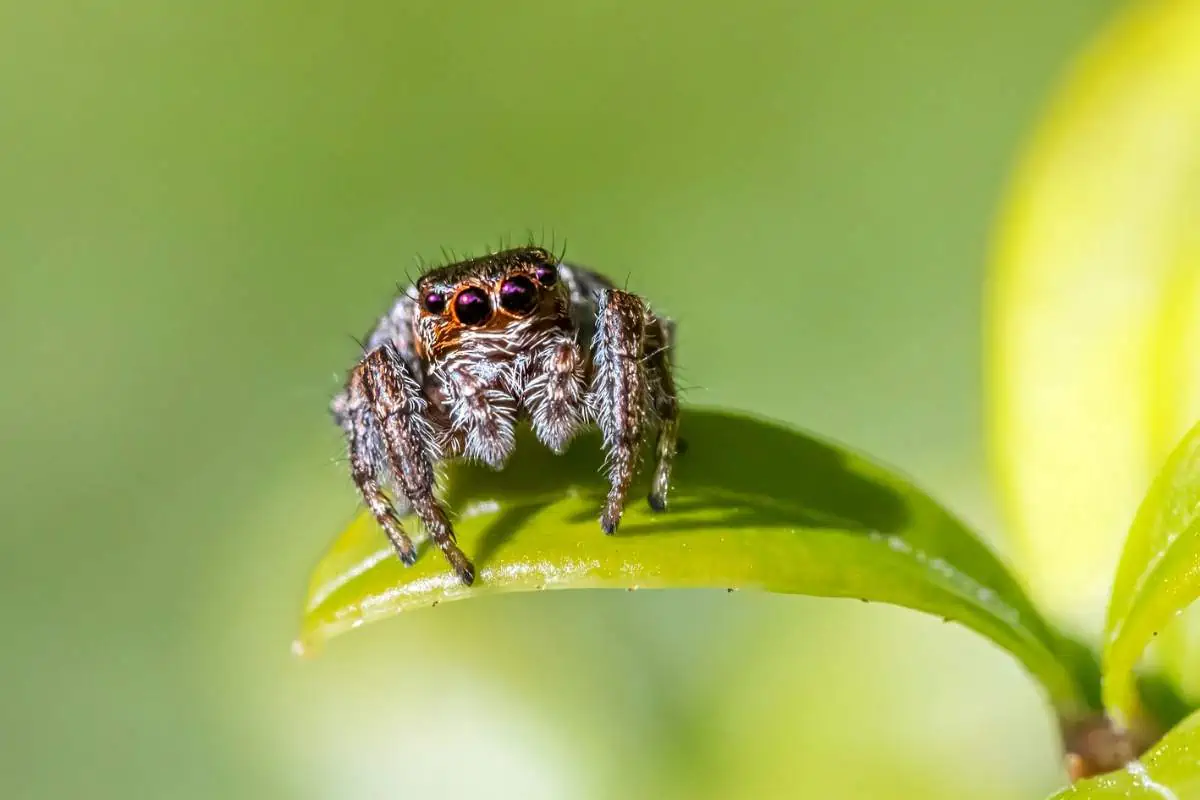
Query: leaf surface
1159, 572
754, 505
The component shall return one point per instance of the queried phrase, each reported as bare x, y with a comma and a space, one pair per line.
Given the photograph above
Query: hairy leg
410, 443
367, 461
660, 343
620, 392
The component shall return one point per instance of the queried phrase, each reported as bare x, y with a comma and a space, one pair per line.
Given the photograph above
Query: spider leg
620, 391
409, 442
352, 410
666, 408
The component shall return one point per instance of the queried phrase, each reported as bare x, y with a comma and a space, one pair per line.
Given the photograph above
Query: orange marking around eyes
449, 332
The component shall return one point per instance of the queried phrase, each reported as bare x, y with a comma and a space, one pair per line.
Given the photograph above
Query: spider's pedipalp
482, 418
554, 393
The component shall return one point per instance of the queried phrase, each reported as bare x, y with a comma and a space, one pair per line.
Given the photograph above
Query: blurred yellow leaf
1094, 305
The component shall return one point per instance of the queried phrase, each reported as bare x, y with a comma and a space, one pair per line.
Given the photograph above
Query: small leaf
1159, 572
754, 506
1168, 771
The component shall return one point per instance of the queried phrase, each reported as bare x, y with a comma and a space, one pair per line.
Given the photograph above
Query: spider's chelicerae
475, 348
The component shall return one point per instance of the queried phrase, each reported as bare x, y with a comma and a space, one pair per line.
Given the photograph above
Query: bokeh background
200, 203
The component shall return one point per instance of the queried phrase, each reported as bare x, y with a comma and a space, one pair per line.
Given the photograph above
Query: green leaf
1158, 575
1169, 770
753, 506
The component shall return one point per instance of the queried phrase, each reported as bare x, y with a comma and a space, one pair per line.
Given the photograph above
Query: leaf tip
306, 647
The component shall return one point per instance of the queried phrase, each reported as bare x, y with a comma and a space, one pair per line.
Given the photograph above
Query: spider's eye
546, 276
518, 295
472, 306
435, 302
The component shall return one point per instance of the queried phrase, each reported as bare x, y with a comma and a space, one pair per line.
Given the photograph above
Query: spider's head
487, 298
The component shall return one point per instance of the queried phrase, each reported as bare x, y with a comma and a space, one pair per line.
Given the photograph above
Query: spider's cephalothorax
473, 349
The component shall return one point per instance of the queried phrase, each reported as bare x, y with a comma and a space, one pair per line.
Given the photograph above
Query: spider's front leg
353, 412
623, 391
396, 422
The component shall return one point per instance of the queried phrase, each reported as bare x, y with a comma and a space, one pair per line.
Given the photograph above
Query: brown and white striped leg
620, 393
409, 444
666, 407
368, 462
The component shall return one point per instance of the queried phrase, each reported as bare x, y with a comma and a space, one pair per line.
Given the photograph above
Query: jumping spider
476, 347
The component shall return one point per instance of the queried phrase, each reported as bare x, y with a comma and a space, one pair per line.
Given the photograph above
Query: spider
474, 348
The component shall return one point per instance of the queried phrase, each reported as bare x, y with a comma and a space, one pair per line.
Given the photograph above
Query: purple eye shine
472, 306
435, 302
518, 295
546, 276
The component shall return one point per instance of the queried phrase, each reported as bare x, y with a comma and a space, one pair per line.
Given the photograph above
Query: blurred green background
201, 202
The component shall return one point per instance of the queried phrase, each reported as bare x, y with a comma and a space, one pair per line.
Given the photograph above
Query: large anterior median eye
472, 306
518, 295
